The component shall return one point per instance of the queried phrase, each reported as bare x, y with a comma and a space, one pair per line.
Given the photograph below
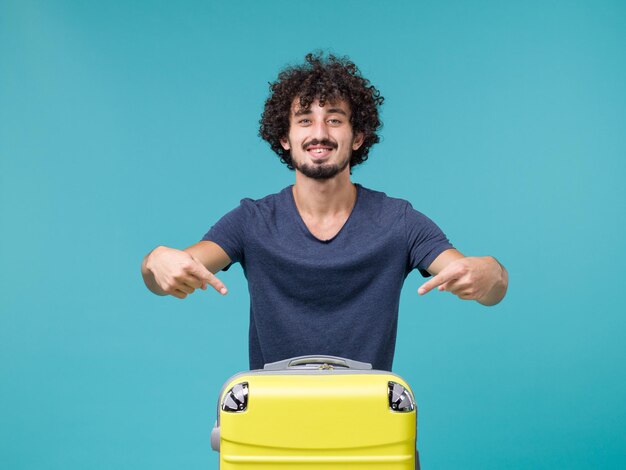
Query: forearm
499, 288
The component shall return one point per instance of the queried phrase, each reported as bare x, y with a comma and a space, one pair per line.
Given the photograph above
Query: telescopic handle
317, 360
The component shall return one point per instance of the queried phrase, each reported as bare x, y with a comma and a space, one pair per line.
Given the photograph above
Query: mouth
318, 152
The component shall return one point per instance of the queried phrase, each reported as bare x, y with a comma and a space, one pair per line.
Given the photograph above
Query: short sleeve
426, 240
229, 233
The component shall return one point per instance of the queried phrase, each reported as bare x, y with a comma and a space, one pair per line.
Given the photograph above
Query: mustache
325, 143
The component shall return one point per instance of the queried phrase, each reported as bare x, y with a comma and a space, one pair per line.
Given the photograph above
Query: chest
325, 228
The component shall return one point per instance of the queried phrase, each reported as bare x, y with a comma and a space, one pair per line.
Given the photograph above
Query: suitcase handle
321, 360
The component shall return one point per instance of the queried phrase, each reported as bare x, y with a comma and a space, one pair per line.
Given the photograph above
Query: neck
319, 198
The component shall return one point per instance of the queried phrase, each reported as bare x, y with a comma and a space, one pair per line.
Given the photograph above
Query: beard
321, 170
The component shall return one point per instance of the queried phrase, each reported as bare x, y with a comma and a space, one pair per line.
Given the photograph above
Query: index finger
207, 277
436, 281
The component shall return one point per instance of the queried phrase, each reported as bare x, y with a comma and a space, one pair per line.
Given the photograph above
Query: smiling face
320, 138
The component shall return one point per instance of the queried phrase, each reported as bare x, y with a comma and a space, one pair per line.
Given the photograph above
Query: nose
320, 130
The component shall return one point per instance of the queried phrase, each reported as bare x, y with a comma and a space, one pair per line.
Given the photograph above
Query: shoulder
265, 205
389, 208
380, 202
242, 221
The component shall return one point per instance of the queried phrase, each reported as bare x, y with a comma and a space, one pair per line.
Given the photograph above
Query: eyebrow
302, 112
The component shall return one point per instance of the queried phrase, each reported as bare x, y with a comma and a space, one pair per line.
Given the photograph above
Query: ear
358, 141
285, 143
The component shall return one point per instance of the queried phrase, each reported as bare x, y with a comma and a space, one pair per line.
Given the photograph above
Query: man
325, 259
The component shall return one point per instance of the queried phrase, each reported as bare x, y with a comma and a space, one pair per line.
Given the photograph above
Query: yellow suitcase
314, 413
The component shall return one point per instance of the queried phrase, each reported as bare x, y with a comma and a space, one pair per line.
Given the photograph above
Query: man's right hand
178, 273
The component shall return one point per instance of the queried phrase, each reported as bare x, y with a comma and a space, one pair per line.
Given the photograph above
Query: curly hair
324, 79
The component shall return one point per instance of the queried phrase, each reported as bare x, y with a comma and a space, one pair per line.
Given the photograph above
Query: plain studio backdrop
125, 125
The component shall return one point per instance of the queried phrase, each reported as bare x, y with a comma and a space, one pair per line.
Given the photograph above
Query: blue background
124, 125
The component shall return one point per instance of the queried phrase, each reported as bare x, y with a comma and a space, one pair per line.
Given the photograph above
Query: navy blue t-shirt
339, 296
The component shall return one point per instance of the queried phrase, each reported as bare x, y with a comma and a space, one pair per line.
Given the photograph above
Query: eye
334, 122
304, 122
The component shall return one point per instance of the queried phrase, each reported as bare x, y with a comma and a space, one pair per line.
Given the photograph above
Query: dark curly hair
325, 79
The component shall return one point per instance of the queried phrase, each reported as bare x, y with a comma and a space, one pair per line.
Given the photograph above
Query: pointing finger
431, 284
444, 276
208, 278
218, 285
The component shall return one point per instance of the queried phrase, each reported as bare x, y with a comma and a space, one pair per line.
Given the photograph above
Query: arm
482, 279
168, 271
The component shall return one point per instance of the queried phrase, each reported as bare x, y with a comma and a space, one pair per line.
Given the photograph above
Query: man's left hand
471, 278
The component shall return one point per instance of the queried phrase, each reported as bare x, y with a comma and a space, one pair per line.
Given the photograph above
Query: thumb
200, 271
